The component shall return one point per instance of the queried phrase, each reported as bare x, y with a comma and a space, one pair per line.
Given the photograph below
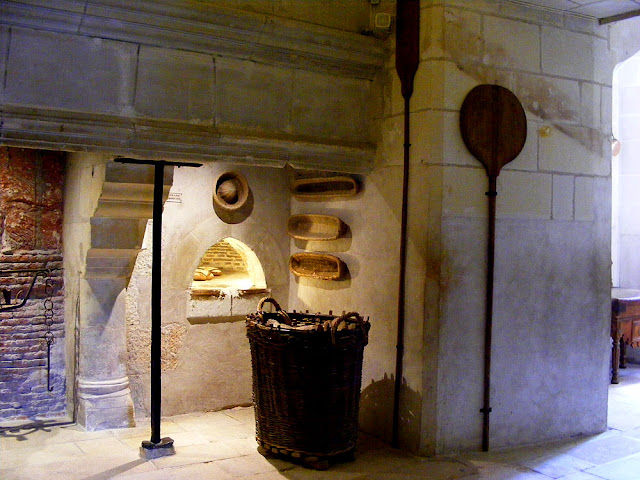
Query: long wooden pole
407, 60
488, 314
401, 284
494, 129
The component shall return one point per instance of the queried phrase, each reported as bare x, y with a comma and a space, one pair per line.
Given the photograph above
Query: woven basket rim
327, 227
299, 264
328, 187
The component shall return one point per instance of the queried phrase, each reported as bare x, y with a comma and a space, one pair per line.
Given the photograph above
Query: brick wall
225, 257
31, 183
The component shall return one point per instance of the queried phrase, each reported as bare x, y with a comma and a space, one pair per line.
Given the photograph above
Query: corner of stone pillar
105, 404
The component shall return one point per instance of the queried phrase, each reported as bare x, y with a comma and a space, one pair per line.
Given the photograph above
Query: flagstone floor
221, 446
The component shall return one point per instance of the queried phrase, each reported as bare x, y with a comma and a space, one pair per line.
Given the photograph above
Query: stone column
95, 299
104, 398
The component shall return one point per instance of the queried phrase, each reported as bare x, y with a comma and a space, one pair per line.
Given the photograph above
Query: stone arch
230, 264
180, 265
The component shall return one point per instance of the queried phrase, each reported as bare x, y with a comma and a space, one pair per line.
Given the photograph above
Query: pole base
150, 450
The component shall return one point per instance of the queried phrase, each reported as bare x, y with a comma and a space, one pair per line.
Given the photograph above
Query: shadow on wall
341, 284
376, 407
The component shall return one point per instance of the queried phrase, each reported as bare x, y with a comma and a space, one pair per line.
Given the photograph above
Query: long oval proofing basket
307, 373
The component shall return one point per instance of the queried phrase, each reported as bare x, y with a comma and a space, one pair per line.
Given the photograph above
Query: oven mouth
228, 266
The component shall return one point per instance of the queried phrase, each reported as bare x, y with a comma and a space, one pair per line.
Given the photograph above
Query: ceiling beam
617, 18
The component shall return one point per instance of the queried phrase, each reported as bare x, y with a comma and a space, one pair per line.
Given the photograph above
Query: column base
105, 404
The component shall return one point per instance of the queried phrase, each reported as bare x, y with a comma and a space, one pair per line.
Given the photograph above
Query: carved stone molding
169, 79
95, 388
205, 27
156, 139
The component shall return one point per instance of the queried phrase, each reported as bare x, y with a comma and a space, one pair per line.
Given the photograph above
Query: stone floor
220, 446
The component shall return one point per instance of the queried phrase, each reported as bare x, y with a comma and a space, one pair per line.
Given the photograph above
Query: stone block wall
31, 228
191, 81
551, 287
551, 282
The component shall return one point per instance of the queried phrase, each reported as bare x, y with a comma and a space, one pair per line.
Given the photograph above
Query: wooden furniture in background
625, 326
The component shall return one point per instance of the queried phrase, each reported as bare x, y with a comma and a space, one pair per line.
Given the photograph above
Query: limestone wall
551, 303
550, 352
196, 80
319, 91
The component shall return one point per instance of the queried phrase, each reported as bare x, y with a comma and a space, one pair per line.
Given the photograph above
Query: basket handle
352, 317
279, 310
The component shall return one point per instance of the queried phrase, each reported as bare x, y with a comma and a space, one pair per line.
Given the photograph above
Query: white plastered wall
626, 114
552, 266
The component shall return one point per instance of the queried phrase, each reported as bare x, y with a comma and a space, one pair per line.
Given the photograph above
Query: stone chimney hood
186, 80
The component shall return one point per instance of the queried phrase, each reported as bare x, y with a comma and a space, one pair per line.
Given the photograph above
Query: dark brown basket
307, 372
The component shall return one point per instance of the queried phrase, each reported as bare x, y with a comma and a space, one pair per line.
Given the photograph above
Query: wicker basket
324, 188
321, 266
231, 191
307, 372
315, 227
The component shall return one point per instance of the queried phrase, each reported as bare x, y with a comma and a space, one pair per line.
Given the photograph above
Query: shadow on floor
20, 431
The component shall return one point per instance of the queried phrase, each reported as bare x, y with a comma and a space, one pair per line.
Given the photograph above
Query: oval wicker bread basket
315, 227
324, 187
317, 265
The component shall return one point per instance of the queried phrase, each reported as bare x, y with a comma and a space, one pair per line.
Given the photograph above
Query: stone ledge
57, 129
206, 28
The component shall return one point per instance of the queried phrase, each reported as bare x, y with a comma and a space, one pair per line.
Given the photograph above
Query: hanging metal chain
21, 300
48, 321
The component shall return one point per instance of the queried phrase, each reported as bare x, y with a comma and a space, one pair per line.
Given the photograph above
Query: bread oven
227, 283
214, 272
228, 266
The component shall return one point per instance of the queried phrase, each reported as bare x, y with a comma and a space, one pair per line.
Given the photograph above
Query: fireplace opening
228, 266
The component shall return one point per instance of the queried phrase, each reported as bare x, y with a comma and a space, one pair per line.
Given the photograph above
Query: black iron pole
156, 304
156, 300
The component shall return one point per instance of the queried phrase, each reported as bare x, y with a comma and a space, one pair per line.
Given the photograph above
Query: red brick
20, 227
51, 228
53, 178
17, 176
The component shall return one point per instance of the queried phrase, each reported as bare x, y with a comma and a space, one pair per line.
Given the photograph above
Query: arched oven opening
228, 267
